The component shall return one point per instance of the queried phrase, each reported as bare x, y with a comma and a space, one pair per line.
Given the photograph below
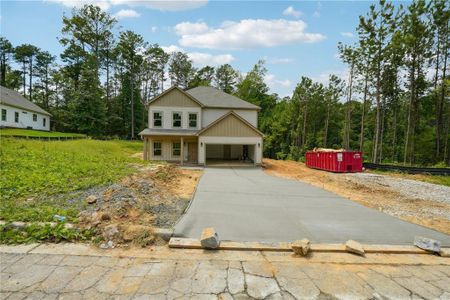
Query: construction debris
91, 199
354, 247
301, 247
427, 244
209, 238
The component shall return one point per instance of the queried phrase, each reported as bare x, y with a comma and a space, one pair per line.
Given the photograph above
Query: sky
295, 38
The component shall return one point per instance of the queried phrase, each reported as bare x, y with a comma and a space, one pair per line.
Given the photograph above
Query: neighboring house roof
231, 113
160, 131
214, 98
13, 98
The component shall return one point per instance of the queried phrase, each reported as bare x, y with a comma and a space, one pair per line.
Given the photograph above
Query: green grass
36, 133
436, 179
33, 171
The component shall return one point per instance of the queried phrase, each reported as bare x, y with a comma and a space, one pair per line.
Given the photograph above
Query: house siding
25, 118
231, 126
167, 116
175, 98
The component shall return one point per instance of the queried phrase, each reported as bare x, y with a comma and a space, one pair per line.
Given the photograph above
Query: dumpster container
339, 161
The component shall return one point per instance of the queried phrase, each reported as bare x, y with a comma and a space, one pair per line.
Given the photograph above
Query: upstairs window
157, 119
34, 117
44, 121
193, 120
176, 117
176, 149
16, 117
3, 114
157, 149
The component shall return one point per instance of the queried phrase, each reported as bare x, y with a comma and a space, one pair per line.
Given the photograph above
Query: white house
18, 112
202, 125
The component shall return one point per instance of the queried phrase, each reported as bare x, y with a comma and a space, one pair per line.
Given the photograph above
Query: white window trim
36, 117
153, 148
196, 120
16, 114
181, 120
173, 155
6, 114
162, 118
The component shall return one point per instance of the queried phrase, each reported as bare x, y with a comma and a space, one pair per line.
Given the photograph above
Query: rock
209, 238
301, 247
111, 232
427, 244
133, 232
445, 252
91, 199
105, 216
354, 247
108, 245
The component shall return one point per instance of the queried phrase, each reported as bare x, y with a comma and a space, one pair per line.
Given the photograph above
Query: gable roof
13, 98
214, 98
232, 113
171, 89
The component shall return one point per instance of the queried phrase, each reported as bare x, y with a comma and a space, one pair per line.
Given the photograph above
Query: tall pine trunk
361, 134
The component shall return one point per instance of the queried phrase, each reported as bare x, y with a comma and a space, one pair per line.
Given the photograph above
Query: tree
25, 54
180, 69
332, 96
155, 62
6, 50
225, 78
44, 62
202, 77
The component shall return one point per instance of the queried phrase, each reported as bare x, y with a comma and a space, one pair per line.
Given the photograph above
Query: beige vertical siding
175, 98
166, 147
231, 126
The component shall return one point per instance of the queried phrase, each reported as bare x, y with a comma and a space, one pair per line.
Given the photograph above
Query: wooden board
186, 243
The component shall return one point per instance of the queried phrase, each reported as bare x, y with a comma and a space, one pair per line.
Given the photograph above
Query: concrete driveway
249, 205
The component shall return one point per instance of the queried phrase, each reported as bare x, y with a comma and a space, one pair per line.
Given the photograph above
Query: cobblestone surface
53, 276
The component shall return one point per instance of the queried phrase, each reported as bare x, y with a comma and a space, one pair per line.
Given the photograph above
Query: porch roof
174, 132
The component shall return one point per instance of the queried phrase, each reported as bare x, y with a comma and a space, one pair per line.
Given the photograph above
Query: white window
192, 120
157, 149
3, 114
34, 117
176, 149
44, 121
16, 117
157, 119
176, 119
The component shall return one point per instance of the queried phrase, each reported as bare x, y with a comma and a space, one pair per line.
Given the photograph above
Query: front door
192, 152
227, 152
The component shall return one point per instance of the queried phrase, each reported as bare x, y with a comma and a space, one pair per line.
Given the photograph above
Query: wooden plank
187, 243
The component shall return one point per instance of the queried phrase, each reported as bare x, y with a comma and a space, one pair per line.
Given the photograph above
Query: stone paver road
249, 205
194, 274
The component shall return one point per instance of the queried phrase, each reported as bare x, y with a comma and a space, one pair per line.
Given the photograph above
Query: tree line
394, 104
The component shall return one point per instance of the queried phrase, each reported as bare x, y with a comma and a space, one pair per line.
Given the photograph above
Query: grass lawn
36, 133
32, 171
436, 179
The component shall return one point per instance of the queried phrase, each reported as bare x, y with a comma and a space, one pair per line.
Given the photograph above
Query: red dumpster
339, 161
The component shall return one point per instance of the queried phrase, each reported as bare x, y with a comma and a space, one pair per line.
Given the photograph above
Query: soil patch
391, 195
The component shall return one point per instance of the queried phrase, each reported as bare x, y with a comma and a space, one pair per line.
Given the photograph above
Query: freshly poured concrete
245, 204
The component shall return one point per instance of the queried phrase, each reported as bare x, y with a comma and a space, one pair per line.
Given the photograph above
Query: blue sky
296, 38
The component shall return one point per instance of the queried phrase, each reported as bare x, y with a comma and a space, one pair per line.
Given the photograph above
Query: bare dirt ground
128, 211
391, 195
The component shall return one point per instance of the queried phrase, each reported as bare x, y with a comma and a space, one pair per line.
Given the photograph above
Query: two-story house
203, 126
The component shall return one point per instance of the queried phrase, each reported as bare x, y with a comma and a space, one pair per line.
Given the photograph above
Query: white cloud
185, 28
162, 5
154, 28
290, 11
200, 58
273, 82
248, 33
126, 13
281, 60
347, 34
203, 59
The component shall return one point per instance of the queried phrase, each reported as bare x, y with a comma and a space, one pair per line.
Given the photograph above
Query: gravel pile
406, 187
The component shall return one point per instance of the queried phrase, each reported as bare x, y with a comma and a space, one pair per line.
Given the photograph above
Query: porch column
149, 148
182, 151
144, 155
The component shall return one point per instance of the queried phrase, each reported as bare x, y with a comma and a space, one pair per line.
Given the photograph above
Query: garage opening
230, 155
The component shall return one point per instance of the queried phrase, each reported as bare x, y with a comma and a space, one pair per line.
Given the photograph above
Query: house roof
224, 117
214, 98
171, 89
13, 98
